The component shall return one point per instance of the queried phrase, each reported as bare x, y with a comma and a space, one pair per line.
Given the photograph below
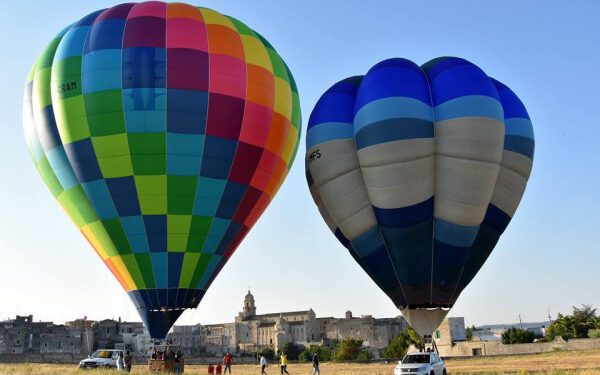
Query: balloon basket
164, 359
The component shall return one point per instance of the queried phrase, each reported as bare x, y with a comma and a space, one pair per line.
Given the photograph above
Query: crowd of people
124, 362
228, 361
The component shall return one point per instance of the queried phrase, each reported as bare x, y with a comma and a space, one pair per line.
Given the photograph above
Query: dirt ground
584, 362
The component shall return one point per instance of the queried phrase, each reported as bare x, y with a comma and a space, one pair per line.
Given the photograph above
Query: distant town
24, 339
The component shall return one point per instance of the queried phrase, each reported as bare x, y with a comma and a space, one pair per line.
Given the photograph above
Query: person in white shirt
263, 364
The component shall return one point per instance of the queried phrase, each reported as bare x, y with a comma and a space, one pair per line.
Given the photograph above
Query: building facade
250, 331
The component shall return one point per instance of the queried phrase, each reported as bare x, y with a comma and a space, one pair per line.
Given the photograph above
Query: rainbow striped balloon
164, 131
418, 170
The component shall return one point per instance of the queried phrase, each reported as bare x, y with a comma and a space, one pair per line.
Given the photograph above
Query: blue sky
547, 260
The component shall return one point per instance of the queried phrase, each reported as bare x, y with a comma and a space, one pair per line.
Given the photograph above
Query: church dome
281, 323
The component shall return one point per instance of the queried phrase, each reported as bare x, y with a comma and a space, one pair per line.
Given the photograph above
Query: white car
426, 363
103, 358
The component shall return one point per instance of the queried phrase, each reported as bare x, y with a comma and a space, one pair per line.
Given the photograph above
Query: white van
102, 358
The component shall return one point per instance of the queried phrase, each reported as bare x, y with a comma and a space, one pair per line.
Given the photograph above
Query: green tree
348, 350
324, 353
469, 332
401, 342
292, 350
414, 337
594, 333
364, 356
576, 325
267, 352
398, 347
305, 355
517, 336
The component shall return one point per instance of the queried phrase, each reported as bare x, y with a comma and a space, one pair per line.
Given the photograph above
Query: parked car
103, 358
426, 363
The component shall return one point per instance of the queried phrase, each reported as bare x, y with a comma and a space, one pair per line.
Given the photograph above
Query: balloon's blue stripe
393, 129
405, 216
454, 234
469, 106
391, 107
328, 131
519, 126
521, 145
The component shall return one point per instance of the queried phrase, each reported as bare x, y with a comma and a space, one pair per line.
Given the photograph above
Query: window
18, 342
108, 331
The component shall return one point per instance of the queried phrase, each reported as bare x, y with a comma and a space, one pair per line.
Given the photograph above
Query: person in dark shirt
128, 361
316, 364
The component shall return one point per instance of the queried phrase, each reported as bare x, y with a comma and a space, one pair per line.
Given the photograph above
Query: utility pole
520, 322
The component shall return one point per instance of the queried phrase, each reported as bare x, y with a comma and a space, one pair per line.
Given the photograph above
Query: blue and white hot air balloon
418, 171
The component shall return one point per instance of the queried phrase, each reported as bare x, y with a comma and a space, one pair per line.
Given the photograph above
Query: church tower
249, 306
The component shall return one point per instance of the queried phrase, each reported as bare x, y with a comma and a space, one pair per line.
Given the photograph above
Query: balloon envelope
164, 131
418, 171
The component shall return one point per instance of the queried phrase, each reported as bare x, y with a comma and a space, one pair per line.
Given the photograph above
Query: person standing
128, 360
316, 364
284, 363
227, 361
177, 359
263, 365
120, 362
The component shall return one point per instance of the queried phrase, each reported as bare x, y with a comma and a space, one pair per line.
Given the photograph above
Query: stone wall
470, 348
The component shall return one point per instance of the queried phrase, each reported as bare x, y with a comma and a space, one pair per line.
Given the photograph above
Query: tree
349, 350
414, 337
576, 325
267, 352
469, 332
323, 352
517, 336
594, 333
364, 356
398, 347
401, 342
292, 350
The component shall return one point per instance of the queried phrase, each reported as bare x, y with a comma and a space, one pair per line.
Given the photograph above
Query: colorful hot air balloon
418, 171
164, 131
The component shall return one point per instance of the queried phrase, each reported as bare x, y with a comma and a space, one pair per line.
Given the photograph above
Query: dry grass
583, 362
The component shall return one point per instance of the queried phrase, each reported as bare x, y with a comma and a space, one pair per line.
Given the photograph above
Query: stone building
24, 336
188, 338
375, 333
251, 331
450, 331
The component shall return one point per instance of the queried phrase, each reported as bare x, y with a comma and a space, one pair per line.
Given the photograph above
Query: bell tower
249, 305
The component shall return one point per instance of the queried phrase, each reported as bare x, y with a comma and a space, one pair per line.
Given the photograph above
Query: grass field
584, 362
